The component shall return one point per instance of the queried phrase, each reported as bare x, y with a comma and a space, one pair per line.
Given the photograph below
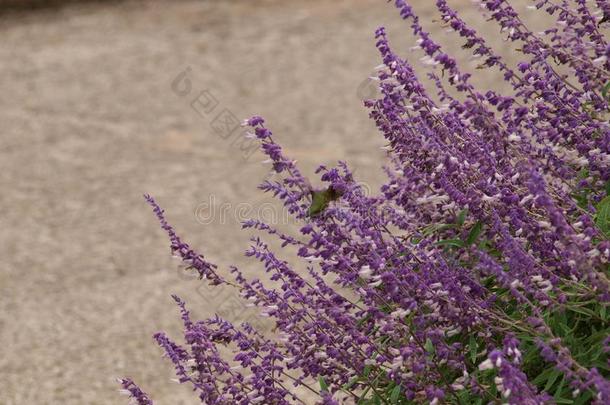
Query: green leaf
602, 218
429, 346
583, 398
544, 376
557, 395
605, 90
553, 377
364, 319
451, 242
434, 228
581, 310
362, 399
461, 218
474, 233
395, 394
323, 385
367, 370
474, 346
562, 322
350, 383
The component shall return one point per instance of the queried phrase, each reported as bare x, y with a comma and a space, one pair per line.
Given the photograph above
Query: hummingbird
320, 200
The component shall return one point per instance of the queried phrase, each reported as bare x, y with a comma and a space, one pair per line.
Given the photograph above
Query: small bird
320, 200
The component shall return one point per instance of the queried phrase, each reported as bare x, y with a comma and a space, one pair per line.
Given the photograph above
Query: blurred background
103, 101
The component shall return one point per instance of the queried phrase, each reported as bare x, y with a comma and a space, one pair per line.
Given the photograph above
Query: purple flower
131, 389
490, 224
255, 121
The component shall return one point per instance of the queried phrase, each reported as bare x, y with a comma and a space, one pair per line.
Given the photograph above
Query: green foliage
323, 385
602, 217
582, 325
605, 90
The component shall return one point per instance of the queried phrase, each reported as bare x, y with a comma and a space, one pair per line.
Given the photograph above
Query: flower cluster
478, 274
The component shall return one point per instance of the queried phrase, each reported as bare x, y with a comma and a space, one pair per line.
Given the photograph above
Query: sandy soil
90, 121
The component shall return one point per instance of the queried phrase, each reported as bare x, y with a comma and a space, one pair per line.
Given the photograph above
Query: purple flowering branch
134, 392
487, 244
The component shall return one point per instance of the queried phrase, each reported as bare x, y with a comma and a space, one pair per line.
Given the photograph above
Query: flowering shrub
478, 274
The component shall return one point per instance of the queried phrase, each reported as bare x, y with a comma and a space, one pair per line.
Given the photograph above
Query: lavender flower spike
193, 259
479, 273
130, 388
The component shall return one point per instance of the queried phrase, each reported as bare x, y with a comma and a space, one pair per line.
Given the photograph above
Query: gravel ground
91, 121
